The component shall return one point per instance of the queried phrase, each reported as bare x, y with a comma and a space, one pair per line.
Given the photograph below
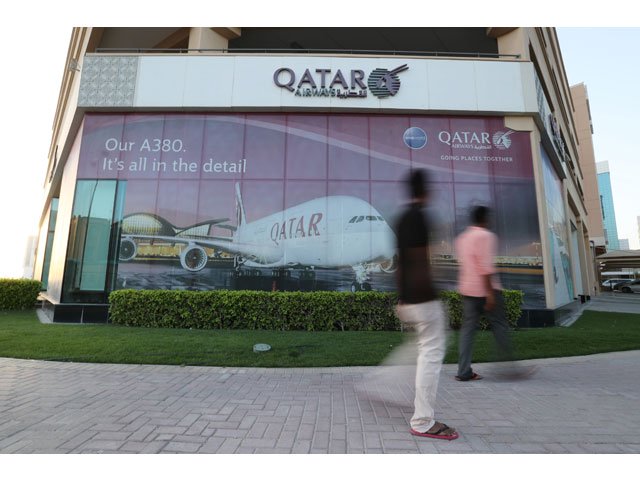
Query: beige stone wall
588, 163
540, 46
209, 38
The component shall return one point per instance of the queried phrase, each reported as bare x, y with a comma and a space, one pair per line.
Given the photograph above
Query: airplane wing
260, 253
152, 224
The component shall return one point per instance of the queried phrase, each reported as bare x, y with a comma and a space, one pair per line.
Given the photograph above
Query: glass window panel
262, 198
441, 214
516, 219
223, 147
114, 248
96, 248
177, 201
388, 199
89, 240
53, 214
306, 147
435, 156
467, 196
217, 201
301, 191
180, 154
390, 156
100, 148
348, 147
264, 146
140, 146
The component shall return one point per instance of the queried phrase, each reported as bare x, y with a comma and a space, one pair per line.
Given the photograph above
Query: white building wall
247, 82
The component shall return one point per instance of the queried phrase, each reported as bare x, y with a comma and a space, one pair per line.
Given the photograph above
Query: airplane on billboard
326, 232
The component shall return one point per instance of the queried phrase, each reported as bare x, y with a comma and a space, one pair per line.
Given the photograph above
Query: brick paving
571, 405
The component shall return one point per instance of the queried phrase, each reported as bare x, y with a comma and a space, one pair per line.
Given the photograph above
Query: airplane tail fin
239, 207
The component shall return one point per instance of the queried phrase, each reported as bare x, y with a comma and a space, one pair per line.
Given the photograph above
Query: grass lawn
594, 332
23, 336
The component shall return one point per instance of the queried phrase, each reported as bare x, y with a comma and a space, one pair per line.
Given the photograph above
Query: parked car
630, 287
610, 282
618, 285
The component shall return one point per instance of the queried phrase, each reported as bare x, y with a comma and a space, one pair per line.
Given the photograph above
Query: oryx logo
384, 83
415, 138
501, 140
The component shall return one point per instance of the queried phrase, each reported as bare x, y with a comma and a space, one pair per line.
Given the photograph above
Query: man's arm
488, 269
490, 298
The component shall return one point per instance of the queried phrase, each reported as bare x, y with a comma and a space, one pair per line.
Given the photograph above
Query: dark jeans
473, 308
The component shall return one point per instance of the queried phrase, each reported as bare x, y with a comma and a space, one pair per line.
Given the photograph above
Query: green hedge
512, 305
253, 310
18, 294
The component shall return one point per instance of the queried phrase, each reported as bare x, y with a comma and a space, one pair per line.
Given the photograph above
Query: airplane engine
193, 258
390, 266
128, 249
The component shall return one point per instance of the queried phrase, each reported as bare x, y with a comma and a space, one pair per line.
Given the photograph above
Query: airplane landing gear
361, 282
238, 262
360, 287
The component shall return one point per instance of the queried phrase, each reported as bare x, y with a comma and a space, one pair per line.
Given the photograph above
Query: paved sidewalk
615, 302
606, 302
573, 405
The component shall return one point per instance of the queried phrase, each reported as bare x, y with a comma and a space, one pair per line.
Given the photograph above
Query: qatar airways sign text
476, 140
324, 82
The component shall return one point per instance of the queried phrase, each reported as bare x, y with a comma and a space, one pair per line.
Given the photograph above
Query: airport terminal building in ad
273, 159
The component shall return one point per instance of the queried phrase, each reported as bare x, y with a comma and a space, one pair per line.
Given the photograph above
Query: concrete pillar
584, 259
514, 42
547, 262
206, 38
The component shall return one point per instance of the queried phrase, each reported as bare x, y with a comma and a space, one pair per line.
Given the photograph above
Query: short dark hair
417, 183
480, 214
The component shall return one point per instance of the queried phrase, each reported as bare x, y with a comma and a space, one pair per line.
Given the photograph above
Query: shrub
513, 300
253, 310
18, 294
512, 308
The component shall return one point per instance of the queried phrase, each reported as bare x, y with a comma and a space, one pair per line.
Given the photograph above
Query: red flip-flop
437, 434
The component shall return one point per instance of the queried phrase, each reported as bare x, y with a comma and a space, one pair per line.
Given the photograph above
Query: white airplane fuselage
326, 232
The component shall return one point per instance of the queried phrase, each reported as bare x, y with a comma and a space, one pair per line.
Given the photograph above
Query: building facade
273, 158
608, 209
586, 158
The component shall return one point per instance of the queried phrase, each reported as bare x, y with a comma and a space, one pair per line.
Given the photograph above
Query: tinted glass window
91, 240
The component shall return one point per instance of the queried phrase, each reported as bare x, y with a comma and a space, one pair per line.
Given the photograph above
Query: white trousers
428, 321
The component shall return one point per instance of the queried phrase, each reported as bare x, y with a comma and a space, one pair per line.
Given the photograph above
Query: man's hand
490, 298
490, 302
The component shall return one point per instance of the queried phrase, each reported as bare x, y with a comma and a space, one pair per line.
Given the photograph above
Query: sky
32, 75
36, 48
606, 60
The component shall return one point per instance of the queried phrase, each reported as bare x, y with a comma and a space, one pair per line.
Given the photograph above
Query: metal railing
413, 53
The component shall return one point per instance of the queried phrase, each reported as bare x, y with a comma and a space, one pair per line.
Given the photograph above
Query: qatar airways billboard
305, 201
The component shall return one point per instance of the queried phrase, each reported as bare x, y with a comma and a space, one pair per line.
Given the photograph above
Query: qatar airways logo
501, 140
476, 140
296, 227
324, 82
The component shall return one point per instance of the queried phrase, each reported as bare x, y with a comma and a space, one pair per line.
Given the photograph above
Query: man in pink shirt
480, 288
